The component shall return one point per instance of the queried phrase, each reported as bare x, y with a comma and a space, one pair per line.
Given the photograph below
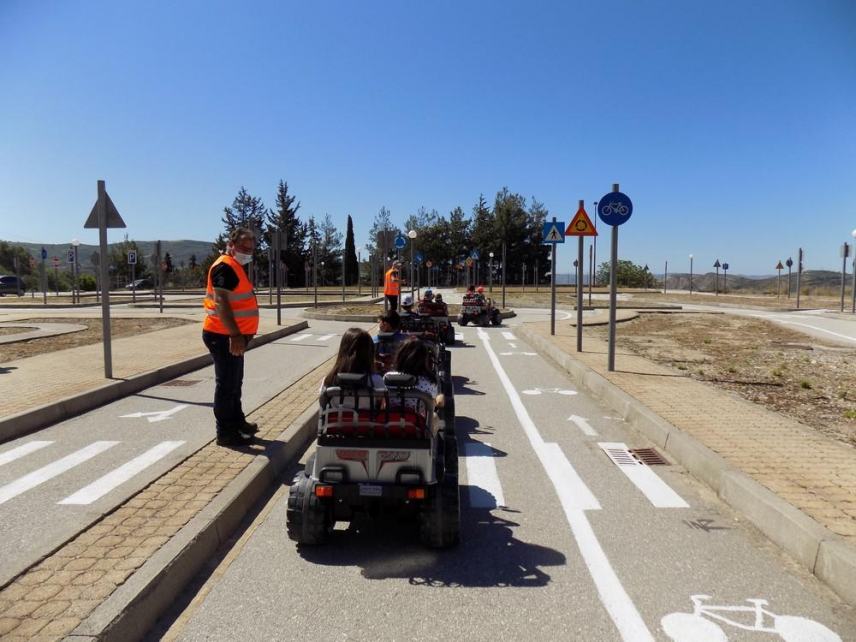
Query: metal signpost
524, 278
613, 209
279, 270
503, 275
691, 274
553, 233
845, 252
17, 265
315, 271
132, 261
591, 270
580, 226
665, 277
103, 215
779, 267
725, 278
853, 289
789, 263
799, 274
158, 276
56, 273
44, 255
716, 282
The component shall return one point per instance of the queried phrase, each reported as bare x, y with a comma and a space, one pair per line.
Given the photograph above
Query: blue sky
731, 124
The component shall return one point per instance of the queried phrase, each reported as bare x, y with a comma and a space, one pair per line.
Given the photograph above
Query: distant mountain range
179, 251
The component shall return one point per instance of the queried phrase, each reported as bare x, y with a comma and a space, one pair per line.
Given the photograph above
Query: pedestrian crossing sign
554, 232
581, 225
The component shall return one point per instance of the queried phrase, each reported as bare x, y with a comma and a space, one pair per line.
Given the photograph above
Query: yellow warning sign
581, 225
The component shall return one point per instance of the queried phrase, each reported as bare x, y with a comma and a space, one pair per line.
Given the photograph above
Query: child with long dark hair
413, 357
356, 356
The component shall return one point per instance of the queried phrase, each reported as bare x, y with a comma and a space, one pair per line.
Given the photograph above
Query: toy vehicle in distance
479, 313
139, 284
378, 451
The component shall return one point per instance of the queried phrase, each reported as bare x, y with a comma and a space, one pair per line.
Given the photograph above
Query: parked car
139, 284
10, 285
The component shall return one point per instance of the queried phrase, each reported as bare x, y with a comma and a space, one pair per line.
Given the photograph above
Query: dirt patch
789, 372
118, 328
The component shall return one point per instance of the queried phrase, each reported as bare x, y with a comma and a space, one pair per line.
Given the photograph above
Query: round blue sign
400, 242
614, 208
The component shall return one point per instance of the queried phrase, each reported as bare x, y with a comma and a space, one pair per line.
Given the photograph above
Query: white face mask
242, 258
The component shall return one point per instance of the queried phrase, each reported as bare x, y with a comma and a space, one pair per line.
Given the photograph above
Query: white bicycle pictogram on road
693, 627
615, 207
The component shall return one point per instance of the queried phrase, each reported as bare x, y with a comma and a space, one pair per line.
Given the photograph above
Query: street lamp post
75, 244
691, 274
412, 236
490, 273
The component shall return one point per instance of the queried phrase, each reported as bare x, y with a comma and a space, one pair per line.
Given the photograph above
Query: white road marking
658, 492
558, 391
583, 424
45, 473
120, 475
513, 346
22, 450
159, 415
300, 337
509, 336
803, 325
459, 337
326, 337
481, 473
576, 498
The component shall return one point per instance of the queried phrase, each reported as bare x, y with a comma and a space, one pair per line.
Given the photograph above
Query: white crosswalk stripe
120, 475
48, 472
22, 451
326, 337
485, 489
299, 337
509, 336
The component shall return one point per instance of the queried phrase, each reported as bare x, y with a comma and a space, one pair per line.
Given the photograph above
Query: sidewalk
796, 485
114, 579
58, 383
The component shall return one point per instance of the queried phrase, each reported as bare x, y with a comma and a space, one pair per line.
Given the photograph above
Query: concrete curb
816, 548
31, 420
134, 607
368, 318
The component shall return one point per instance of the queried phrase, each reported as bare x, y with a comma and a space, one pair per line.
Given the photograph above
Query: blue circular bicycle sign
615, 208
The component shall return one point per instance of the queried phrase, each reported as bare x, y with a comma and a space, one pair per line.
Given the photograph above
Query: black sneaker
234, 439
249, 428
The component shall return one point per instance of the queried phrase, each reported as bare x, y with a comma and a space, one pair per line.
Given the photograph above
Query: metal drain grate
619, 456
648, 456
178, 383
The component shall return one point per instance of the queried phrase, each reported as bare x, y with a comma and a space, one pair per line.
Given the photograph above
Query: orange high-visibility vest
242, 300
391, 284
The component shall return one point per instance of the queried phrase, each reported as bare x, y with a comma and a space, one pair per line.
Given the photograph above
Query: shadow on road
461, 386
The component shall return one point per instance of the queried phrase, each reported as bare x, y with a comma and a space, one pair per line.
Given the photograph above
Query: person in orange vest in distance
231, 321
392, 285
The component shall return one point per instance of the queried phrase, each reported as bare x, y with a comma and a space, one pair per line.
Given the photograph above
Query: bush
86, 283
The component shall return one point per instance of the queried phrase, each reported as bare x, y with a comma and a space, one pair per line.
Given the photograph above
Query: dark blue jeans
228, 379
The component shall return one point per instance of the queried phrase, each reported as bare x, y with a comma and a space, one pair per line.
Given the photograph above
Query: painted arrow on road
160, 415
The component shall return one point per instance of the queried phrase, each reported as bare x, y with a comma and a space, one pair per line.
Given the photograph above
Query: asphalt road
558, 541
55, 482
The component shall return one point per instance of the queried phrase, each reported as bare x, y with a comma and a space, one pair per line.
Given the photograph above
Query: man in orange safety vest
392, 285
231, 321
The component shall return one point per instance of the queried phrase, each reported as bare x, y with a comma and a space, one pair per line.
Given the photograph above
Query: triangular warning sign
581, 225
113, 217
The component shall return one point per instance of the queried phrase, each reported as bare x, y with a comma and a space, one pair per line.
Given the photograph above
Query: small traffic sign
470, 261
789, 262
56, 261
132, 257
554, 232
474, 255
114, 219
44, 254
70, 259
615, 208
419, 257
400, 242
725, 266
717, 264
581, 225
429, 263
779, 266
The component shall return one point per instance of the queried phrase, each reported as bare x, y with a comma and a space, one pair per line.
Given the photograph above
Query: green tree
246, 211
627, 275
8, 253
352, 267
330, 251
284, 216
382, 234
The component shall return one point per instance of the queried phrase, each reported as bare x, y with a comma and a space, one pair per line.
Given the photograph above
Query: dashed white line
583, 424
300, 337
22, 451
509, 336
120, 475
459, 337
45, 473
512, 345
482, 476
576, 498
658, 492
326, 337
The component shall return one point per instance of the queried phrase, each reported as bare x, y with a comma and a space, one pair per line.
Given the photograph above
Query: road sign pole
799, 274
503, 275
133, 284
853, 289
666, 278
553, 289
580, 292
613, 283
158, 277
105, 283
278, 267
315, 271
591, 273
43, 279
844, 253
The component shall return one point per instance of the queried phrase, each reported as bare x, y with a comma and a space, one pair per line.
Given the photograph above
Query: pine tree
352, 267
382, 234
246, 211
284, 216
330, 250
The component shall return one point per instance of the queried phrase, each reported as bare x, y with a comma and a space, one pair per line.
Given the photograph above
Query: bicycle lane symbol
694, 627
